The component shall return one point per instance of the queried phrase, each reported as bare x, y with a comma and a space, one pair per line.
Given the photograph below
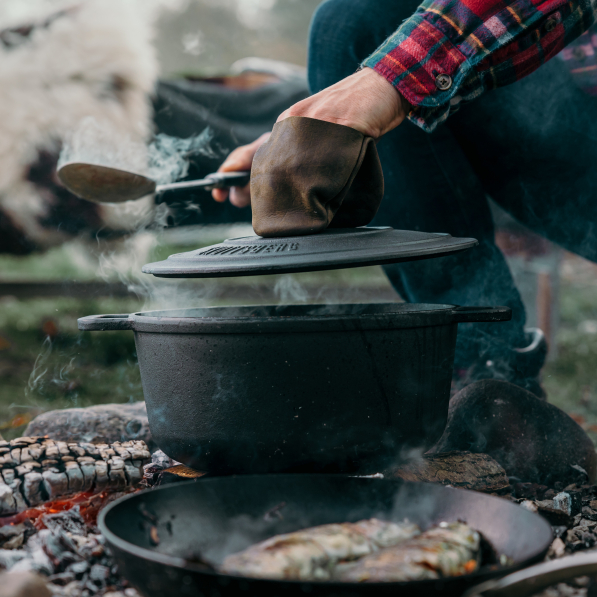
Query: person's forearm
364, 101
446, 53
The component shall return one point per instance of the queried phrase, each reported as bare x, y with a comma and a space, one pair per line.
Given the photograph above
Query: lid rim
383, 246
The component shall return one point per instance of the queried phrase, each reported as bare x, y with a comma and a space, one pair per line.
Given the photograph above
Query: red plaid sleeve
451, 51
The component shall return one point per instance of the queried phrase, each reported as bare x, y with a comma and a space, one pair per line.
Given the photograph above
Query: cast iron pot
309, 388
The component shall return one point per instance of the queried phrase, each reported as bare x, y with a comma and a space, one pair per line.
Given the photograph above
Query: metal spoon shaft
217, 180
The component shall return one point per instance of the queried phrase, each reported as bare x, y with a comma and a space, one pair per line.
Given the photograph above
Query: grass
571, 379
46, 363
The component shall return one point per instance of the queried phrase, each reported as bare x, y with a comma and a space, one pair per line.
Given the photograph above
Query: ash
69, 552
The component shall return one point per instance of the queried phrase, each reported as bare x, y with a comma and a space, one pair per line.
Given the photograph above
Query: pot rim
293, 318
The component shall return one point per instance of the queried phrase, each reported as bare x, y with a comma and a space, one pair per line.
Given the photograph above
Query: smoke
40, 368
289, 290
166, 159
45, 374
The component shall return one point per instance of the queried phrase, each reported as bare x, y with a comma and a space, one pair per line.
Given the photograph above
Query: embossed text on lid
332, 249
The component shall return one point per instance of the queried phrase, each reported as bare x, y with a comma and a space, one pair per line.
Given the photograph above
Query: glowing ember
89, 506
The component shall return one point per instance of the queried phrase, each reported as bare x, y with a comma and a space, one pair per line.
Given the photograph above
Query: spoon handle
217, 180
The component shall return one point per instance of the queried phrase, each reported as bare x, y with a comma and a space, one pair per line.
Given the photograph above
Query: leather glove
312, 174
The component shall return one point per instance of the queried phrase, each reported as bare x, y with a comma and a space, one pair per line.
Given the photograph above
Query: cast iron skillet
214, 517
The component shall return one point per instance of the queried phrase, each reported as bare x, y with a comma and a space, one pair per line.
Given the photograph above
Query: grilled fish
311, 554
449, 549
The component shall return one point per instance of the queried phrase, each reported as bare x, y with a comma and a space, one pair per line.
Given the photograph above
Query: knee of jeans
333, 37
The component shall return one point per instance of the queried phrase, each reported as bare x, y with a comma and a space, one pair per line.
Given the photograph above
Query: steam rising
165, 159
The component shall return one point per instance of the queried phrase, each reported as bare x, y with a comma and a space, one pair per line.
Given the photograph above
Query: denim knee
333, 39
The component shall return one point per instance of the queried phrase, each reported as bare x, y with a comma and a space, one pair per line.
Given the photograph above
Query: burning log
34, 470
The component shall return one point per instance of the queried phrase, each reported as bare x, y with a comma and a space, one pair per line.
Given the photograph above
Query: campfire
52, 531
50, 495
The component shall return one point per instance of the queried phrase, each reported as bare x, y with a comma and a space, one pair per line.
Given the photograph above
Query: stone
23, 584
533, 440
557, 548
105, 423
569, 502
545, 508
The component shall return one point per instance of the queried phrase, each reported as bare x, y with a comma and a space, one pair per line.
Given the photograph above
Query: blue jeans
531, 147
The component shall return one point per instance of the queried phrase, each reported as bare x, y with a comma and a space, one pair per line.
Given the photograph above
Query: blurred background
126, 64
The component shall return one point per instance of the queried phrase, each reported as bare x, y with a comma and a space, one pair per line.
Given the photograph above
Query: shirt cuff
425, 67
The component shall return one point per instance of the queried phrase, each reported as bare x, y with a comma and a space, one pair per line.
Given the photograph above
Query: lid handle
105, 323
481, 314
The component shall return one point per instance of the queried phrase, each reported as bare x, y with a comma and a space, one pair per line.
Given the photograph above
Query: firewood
479, 472
35, 469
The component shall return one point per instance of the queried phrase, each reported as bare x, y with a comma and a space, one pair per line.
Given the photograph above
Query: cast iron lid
332, 249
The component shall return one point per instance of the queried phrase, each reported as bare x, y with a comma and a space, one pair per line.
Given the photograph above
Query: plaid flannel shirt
451, 51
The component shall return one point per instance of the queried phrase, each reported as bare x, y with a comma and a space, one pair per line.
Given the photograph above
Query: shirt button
443, 82
551, 24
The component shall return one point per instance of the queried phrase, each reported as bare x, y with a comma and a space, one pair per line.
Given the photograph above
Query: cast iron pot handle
536, 578
101, 323
481, 314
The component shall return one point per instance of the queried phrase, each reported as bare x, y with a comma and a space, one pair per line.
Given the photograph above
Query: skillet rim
472, 578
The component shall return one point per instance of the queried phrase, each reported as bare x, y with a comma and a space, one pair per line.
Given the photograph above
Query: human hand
364, 101
241, 159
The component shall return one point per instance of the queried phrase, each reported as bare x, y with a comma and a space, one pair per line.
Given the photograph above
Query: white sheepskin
95, 61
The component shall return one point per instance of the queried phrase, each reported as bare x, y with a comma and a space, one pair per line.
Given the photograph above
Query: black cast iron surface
332, 249
212, 518
310, 388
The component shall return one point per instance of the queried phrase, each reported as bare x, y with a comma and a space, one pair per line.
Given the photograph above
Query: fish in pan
449, 549
313, 553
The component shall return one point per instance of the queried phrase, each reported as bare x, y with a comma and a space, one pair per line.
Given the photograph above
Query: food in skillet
366, 551
449, 549
313, 553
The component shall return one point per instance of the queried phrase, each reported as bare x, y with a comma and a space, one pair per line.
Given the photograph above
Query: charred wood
478, 472
34, 470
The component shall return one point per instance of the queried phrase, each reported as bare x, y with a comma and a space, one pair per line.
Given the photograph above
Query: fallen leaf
17, 421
